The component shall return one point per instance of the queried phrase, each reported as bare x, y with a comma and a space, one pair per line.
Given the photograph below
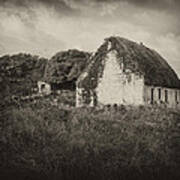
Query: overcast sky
44, 27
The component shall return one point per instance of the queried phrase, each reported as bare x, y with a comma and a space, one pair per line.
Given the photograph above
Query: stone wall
84, 97
116, 86
161, 95
119, 85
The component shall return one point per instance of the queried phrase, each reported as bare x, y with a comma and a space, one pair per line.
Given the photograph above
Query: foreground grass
86, 143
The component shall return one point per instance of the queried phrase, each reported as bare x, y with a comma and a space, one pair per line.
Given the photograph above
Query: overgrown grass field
38, 140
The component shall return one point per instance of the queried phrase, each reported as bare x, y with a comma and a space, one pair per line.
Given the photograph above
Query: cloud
169, 46
20, 33
45, 27
71, 5
160, 4
60, 6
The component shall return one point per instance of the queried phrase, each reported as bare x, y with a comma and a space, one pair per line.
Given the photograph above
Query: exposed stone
44, 88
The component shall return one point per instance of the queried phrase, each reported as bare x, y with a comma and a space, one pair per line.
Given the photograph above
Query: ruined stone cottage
128, 73
62, 71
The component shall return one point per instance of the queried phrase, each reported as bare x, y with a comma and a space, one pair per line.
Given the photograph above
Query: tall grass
86, 143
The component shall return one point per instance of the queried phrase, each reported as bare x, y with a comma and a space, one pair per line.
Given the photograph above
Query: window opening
159, 94
42, 86
176, 96
166, 96
152, 96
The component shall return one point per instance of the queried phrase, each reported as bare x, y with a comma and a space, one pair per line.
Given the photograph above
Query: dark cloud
60, 6
66, 6
173, 5
26, 10
165, 5
41, 25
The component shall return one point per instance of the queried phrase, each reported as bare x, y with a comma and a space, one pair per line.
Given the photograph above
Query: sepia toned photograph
90, 89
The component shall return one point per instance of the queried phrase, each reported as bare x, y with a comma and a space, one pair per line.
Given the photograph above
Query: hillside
42, 140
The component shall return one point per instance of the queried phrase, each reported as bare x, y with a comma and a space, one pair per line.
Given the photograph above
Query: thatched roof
136, 57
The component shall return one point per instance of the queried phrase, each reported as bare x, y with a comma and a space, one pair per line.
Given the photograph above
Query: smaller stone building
43, 87
124, 72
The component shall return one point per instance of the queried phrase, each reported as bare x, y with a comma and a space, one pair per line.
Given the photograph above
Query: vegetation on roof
136, 57
155, 68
